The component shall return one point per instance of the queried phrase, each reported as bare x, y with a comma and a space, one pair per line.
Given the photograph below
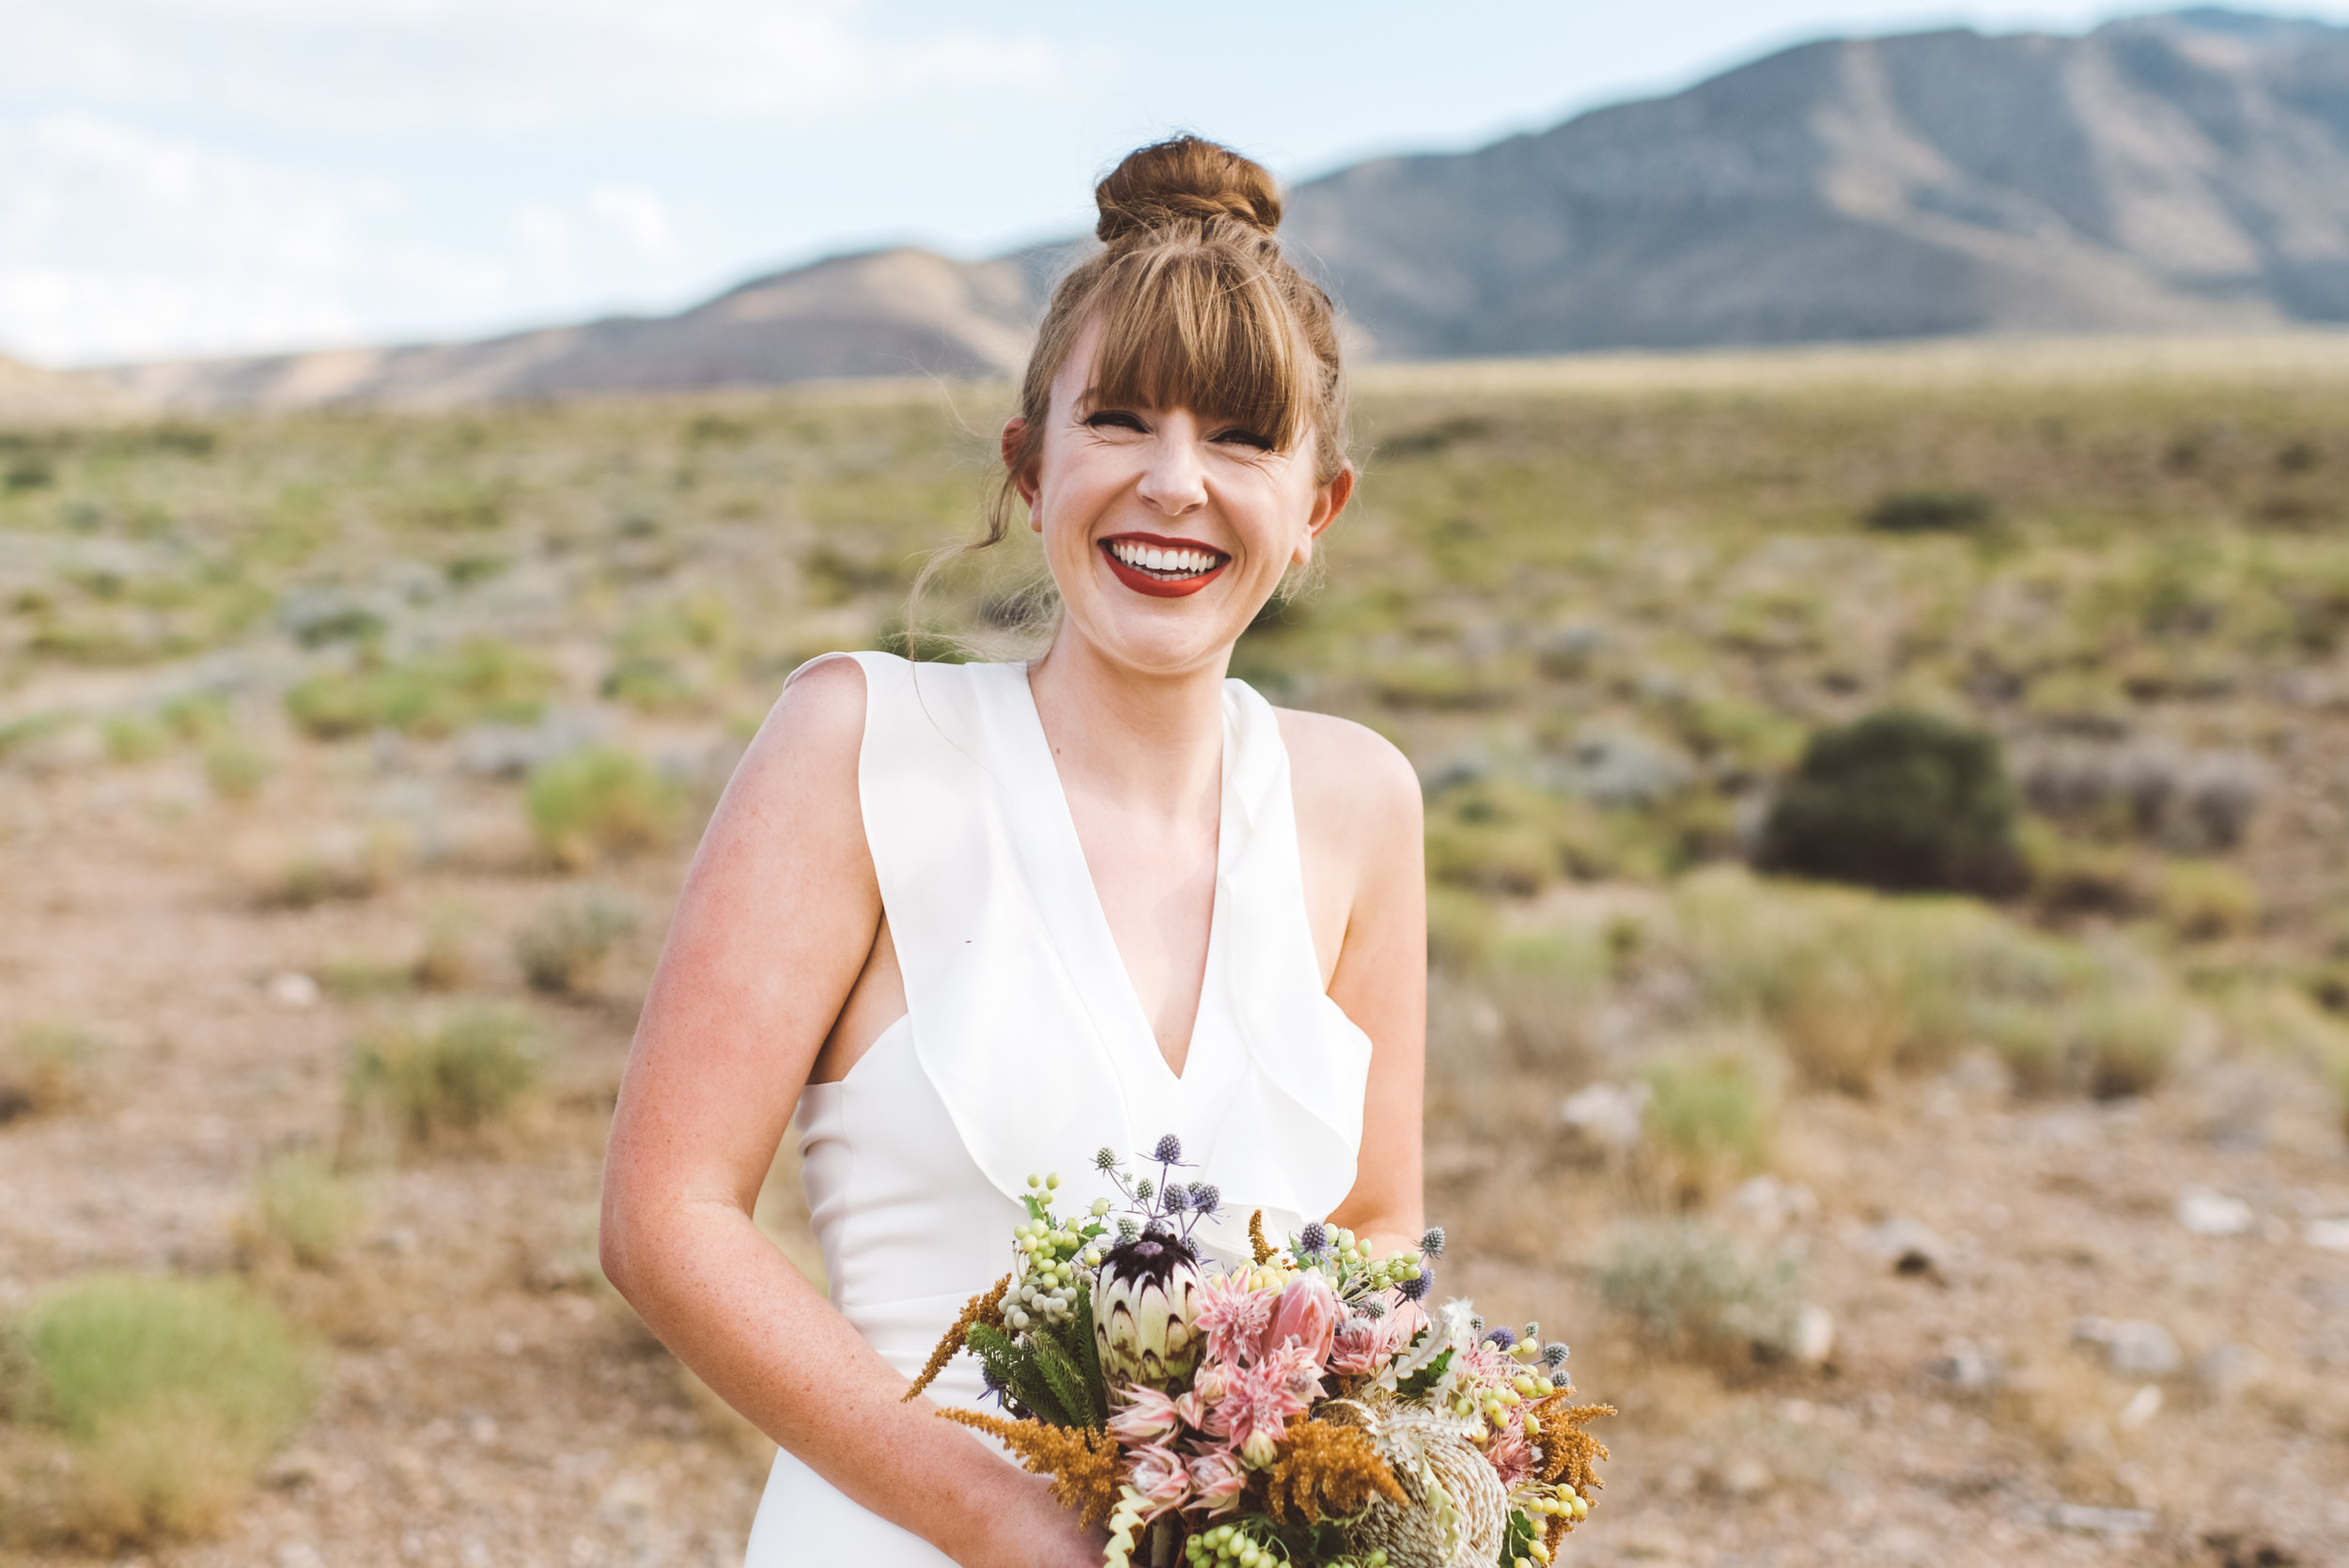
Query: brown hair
1199, 309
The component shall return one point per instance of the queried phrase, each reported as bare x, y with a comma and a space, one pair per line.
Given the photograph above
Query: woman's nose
1174, 480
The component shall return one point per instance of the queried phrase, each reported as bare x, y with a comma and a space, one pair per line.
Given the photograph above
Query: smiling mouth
1162, 567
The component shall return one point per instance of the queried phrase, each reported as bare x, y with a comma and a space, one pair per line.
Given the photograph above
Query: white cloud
420, 64
639, 215
118, 243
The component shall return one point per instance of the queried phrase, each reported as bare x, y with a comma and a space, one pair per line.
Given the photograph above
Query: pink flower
1232, 1314
1512, 1456
1354, 1348
1403, 1321
1191, 1409
1162, 1477
1143, 1416
1307, 1316
1261, 1401
1216, 1482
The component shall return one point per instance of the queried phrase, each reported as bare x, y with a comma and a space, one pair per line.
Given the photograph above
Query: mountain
2188, 171
882, 312
30, 396
2177, 173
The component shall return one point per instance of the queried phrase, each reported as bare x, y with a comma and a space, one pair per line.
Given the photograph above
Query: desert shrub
196, 716
651, 684
1460, 926
2203, 900
435, 693
44, 1067
459, 1077
1855, 986
1496, 837
1931, 511
560, 952
1900, 800
235, 770
170, 1392
343, 862
2128, 1040
303, 1203
599, 803
1687, 1293
2193, 802
1443, 684
1708, 1120
2111, 1042
132, 738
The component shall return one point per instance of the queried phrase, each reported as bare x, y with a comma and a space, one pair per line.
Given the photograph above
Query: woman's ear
1020, 461
1328, 501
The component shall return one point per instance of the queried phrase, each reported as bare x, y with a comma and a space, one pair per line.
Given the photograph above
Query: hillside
2179, 173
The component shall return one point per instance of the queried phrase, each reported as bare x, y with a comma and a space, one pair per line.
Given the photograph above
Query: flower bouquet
1306, 1409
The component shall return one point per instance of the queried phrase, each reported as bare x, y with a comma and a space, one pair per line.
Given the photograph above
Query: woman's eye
1114, 419
1245, 438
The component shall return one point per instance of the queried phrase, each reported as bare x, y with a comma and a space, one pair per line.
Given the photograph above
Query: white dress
1024, 1048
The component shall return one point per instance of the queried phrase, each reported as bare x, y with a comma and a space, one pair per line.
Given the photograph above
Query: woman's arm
778, 915
1359, 835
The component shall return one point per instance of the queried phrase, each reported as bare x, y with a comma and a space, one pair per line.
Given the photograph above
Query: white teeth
1151, 558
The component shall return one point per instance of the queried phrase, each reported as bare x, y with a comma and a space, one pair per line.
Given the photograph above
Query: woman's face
1165, 529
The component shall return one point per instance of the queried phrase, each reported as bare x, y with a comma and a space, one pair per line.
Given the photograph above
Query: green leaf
1088, 1348
1423, 1382
1015, 1367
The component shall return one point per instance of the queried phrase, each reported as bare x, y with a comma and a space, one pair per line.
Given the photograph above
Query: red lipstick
1142, 581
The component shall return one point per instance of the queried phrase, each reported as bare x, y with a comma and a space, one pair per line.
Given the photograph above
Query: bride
974, 921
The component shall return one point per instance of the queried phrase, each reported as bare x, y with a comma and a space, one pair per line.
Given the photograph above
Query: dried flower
988, 1308
1081, 1461
1262, 1247
1327, 1468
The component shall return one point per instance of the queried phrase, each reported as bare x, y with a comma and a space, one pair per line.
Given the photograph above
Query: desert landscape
350, 762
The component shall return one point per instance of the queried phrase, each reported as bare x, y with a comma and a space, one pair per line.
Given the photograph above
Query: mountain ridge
2180, 172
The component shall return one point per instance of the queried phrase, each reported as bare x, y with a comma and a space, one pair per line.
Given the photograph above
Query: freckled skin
779, 971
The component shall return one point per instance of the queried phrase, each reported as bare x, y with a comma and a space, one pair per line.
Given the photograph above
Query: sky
188, 177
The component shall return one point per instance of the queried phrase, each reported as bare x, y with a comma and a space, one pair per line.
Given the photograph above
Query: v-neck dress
1024, 1048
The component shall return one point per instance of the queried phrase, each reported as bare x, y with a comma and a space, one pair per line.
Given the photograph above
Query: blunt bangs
1197, 327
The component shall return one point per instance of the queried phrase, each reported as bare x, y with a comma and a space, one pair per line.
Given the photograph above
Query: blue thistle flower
1105, 1159
1372, 1308
1178, 1198
1206, 1197
1315, 1237
1169, 1150
1146, 1190
1554, 1353
1128, 1230
1504, 1338
1415, 1290
1431, 1244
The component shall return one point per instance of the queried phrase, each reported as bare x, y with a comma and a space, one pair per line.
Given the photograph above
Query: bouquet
1308, 1408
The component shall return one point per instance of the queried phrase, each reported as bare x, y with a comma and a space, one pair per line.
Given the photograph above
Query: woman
976, 921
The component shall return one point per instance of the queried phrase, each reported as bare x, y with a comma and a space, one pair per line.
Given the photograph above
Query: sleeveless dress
1024, 1048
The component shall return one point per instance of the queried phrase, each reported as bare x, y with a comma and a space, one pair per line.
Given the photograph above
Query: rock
2330, 1235
1967, 1365
1815, 1335
1747, 1477
2100, 1521
2142, 1407
293, 990
1608, 1114
2133, 1348
2208, 1213
2228, 1372
1909, 1247
1770, 1206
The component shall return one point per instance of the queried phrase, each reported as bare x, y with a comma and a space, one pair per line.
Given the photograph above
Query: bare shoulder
811, 737
1341, 771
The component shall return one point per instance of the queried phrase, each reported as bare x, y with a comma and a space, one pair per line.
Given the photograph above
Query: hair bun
1186, 179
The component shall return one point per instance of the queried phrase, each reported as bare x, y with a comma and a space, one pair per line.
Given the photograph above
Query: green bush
456, 1078
303, 1203
1901, 802
1931, 511
235, 771
133, 739
432, 694
560, 951
1708, 1120
599, 803
1687, 1293
170, 1391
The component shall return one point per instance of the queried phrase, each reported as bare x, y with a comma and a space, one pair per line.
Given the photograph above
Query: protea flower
1145, 1302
